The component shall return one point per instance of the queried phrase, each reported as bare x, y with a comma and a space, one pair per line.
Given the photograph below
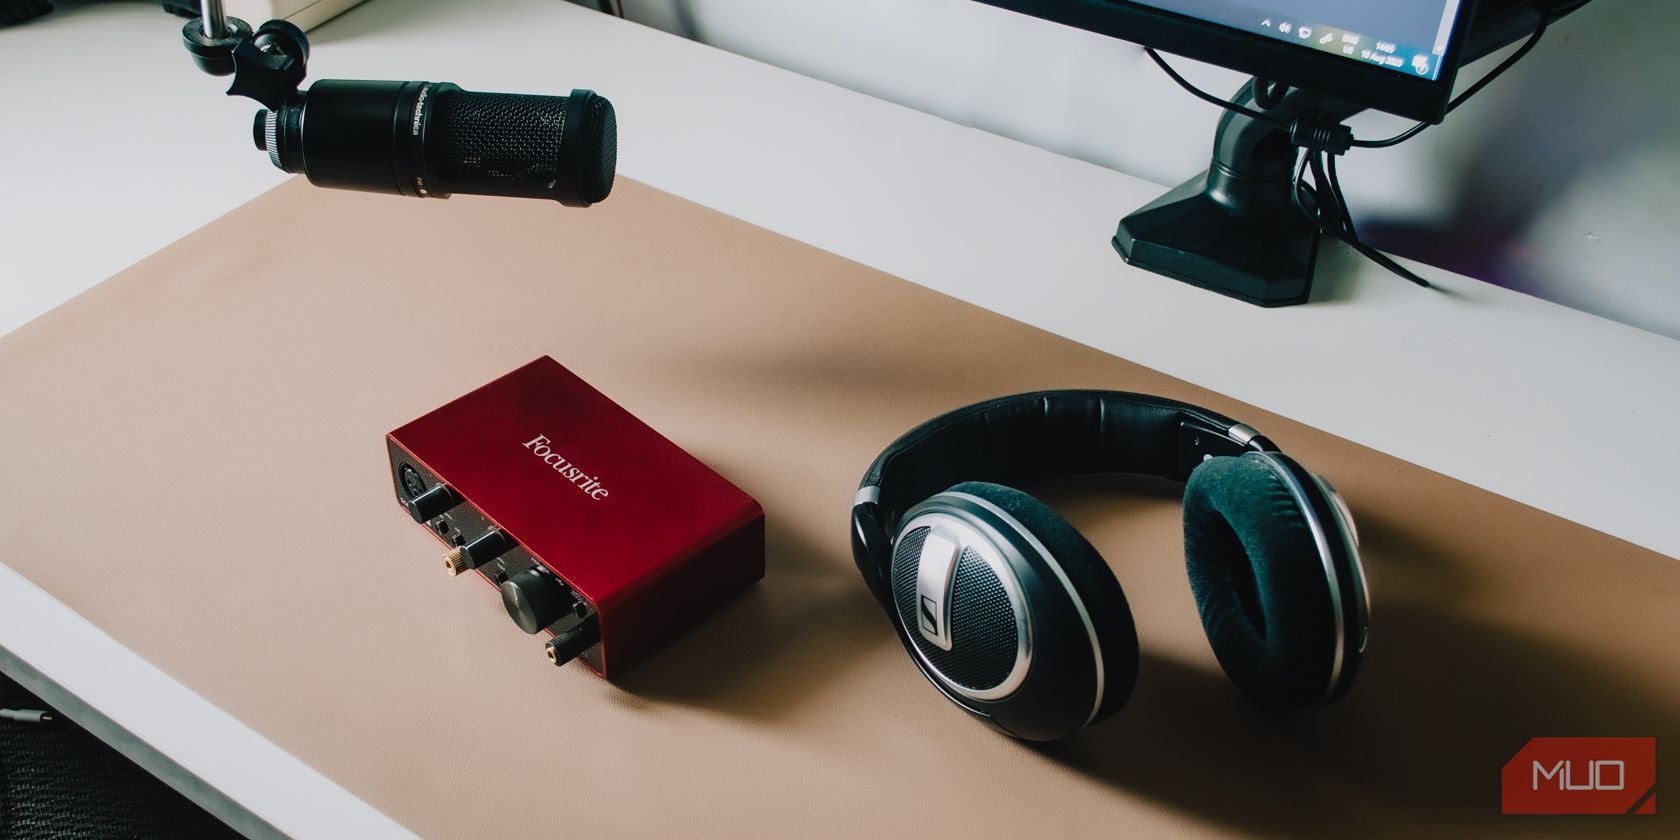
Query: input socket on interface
456, 561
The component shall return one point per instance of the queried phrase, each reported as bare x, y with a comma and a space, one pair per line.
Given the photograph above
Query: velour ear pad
1259, 581
1097, 588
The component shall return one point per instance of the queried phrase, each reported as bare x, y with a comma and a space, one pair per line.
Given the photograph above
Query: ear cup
1259, 581
1092, 580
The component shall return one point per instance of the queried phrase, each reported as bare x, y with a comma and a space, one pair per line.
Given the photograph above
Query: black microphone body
432, 139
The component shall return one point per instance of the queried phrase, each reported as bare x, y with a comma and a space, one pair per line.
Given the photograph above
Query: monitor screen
1406, 37
1398, 56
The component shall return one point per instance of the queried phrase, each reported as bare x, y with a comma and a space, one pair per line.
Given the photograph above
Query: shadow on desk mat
194, 462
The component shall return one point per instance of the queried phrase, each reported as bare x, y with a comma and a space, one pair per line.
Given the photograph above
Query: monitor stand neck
1234, 228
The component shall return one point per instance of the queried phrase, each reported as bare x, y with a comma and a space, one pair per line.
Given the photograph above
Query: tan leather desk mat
193, 460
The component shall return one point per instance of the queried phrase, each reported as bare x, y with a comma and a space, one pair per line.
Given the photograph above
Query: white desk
124, 147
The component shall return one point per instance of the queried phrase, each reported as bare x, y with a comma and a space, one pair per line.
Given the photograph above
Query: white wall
1561, 179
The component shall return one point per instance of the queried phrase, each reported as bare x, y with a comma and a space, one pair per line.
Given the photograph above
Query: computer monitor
1239, 228
1398, 56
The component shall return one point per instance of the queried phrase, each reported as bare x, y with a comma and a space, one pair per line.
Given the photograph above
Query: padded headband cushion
1105, 602
1036, 435
1259, 581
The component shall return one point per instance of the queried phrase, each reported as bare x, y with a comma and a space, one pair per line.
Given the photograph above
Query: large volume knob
535, 599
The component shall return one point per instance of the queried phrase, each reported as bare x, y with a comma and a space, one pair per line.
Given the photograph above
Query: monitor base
1262, 255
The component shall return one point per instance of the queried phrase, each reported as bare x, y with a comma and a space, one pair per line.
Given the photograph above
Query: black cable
1324, 167
1329, 210
1333, 219
1336, 190
1509, 62
1208, 97
1541, 8
1392, 141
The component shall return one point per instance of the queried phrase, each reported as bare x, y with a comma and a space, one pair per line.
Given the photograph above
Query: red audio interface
599, 532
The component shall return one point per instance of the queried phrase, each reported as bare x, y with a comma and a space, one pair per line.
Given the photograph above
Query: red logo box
1581, 776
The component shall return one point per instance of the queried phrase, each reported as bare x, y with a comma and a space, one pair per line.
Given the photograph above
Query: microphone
432, 139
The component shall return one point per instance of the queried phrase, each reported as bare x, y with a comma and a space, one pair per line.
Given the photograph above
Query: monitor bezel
1260, 55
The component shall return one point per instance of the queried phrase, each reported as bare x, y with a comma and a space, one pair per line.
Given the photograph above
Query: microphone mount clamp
267, 64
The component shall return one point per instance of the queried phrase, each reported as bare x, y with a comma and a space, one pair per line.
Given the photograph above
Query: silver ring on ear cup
1067, 586
1356, 565
1327, 553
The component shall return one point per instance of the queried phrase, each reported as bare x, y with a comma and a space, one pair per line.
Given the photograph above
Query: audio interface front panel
464, 522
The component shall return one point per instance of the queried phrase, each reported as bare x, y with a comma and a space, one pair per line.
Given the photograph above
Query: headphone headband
1042, 434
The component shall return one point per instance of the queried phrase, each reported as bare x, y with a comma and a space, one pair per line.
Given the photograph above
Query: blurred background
1560, 180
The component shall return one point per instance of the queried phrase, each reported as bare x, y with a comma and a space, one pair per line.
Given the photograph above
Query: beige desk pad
191, 457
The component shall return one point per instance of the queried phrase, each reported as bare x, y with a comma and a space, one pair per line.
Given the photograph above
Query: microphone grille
525, 145
599, 134
497, 140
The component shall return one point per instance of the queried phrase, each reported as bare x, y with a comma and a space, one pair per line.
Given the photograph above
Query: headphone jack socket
565, 647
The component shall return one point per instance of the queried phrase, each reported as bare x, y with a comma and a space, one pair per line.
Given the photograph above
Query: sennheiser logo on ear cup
936, 565
930, 616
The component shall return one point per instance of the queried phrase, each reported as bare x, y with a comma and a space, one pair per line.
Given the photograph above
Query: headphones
1010, 613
